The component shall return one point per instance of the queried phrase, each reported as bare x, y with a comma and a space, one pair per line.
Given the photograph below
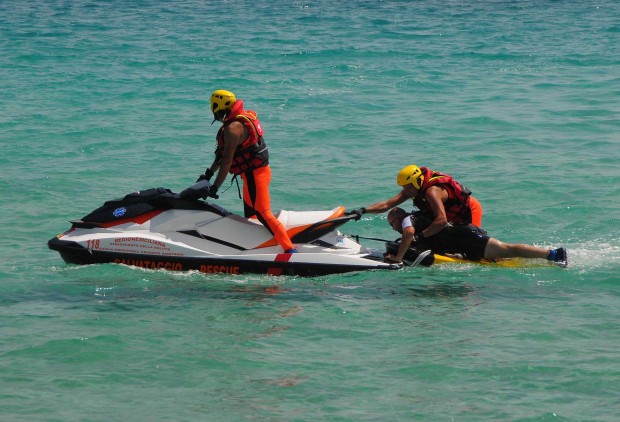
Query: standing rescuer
242, 151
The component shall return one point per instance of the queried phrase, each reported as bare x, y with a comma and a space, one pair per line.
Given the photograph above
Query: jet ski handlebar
201, 189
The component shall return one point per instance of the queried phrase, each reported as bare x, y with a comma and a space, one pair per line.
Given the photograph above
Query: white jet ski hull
155, 229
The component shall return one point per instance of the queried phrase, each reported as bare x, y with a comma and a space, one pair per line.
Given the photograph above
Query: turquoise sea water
519, 100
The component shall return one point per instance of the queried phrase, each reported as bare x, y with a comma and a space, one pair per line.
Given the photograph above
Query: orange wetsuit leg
257, 203
476, 211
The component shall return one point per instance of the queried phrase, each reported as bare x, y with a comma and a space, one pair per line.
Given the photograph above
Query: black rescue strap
234, 179
357, 238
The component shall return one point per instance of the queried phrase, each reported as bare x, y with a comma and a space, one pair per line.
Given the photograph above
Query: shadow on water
122, 288
441, 290
106, 284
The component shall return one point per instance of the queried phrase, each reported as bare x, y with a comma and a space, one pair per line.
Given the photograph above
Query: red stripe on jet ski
140, 219
281, 257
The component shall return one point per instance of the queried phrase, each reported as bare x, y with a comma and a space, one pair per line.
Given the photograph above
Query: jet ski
158, 229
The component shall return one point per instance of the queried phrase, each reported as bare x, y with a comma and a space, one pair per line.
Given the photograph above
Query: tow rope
358, 237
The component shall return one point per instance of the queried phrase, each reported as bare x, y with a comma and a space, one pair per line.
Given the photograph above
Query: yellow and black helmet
410, 174
222, 102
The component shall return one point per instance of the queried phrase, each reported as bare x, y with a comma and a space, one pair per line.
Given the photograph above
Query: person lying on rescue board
444, 222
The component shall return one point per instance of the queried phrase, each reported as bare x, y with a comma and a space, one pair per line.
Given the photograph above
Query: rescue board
413, 258
506, 262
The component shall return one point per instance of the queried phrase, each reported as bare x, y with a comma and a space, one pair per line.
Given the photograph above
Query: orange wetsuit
476, 211
256, 202
251, 161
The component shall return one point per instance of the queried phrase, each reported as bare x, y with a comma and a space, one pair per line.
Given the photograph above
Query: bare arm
383, 206
234, 135
405, 242
435, 197
215, 165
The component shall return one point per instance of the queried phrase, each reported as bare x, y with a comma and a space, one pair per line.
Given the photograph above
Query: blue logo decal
119, 212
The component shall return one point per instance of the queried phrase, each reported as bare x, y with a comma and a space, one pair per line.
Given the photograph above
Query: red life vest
251, 153
457, 206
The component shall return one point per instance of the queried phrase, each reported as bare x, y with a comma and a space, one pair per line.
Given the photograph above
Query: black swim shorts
469, 241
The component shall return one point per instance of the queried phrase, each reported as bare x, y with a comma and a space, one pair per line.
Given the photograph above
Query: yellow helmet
222, 102
410, 174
